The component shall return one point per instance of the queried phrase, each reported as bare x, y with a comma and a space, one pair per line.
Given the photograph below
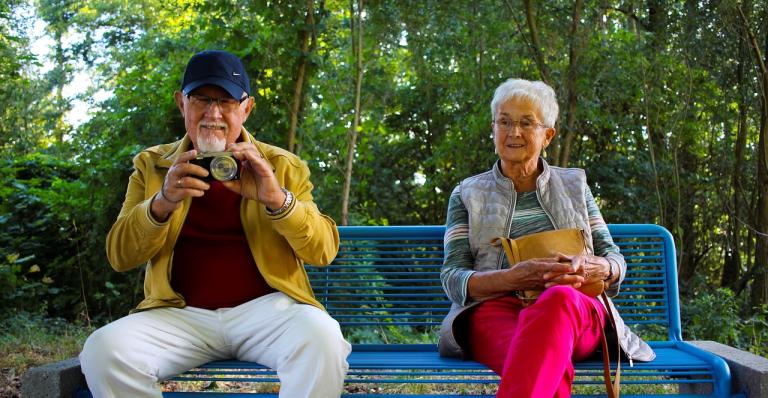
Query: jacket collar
541, 180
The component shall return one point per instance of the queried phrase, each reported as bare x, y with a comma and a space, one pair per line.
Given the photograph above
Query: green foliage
23, 100
23, 289
718, 315
389, 334
27, 226
46, 241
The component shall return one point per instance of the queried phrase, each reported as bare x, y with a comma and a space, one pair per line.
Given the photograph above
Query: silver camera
221, 166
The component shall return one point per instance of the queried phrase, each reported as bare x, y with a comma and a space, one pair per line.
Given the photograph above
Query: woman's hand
585, 266
532, 274
257, 181
537, 273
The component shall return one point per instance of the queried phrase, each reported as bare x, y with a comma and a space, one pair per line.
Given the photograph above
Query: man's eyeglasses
203, 102
527, 125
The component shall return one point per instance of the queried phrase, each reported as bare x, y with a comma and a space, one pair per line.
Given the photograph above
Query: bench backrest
385, 282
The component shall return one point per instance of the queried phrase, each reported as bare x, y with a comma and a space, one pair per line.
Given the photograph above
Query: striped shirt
528, 218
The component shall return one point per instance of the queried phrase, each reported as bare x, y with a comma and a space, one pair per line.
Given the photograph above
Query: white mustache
214, 125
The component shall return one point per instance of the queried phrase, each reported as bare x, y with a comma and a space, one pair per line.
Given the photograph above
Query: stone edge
58, 379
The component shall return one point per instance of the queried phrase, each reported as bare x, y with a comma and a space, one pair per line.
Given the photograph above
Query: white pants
303, 344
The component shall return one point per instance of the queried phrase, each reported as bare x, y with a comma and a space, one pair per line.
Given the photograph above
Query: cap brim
233, 89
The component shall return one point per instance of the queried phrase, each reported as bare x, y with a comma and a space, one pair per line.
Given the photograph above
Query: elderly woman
532, 348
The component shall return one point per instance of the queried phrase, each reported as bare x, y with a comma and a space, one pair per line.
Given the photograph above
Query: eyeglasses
203, 102
527, 125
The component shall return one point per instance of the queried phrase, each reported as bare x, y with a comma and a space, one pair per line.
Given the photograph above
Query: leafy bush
23, 285
716, 315
52, 232
33, 220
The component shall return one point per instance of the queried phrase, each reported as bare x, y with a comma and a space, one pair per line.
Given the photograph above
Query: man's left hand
257, 181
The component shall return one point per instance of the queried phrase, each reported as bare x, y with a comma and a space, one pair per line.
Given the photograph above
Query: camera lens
223, 168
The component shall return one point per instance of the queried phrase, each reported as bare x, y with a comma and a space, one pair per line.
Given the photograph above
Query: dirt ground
10, 384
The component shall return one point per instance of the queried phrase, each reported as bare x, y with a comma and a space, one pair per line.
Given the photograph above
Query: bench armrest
749, 372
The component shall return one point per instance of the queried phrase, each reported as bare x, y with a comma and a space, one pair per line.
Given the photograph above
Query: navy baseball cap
218, 68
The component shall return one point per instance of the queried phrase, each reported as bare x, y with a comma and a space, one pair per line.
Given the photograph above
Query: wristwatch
286, 204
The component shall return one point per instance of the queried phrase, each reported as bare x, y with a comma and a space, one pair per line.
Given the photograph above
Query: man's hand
178, 185
257, 181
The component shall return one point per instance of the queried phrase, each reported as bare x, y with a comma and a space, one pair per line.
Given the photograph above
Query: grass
27, 341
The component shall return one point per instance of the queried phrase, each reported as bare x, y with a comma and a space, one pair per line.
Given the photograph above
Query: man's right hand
178, 185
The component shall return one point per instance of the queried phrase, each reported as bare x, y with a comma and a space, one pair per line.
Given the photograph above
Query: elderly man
224, 248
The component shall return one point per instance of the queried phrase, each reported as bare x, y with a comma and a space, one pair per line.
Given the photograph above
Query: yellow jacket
280, 245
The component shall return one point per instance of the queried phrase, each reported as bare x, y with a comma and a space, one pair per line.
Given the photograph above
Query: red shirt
212, 263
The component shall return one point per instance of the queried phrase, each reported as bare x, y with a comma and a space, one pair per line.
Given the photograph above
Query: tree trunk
357, 49
760, 283
656, 26
574, 52
538, 56
760, 286
61, 79
732, 264
533, 29
298, 86
685, 163
478, 36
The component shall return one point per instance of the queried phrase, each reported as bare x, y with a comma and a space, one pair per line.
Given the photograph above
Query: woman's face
519, 134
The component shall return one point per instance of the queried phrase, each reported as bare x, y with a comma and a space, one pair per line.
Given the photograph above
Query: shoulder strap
510, 247
613, 389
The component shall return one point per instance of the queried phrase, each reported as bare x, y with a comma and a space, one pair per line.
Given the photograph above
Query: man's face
212, 125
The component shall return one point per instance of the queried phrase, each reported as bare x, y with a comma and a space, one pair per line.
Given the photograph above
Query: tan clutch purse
548, 244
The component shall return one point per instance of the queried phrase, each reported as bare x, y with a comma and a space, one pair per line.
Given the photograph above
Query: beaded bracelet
165, 198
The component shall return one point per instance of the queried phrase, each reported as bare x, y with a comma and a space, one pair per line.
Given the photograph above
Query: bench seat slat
367, 273
436, 295
377, 266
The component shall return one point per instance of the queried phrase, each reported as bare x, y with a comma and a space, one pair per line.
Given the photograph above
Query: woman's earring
544, 152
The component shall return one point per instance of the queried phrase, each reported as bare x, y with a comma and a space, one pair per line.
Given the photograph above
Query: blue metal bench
384, 288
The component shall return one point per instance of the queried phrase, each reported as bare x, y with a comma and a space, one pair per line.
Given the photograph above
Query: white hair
538, 92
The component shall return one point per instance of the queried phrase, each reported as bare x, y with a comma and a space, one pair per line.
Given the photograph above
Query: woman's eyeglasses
527, 125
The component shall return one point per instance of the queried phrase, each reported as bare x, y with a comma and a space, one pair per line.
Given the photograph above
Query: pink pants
533, 348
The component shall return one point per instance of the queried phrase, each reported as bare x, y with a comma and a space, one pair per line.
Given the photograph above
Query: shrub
717, 315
